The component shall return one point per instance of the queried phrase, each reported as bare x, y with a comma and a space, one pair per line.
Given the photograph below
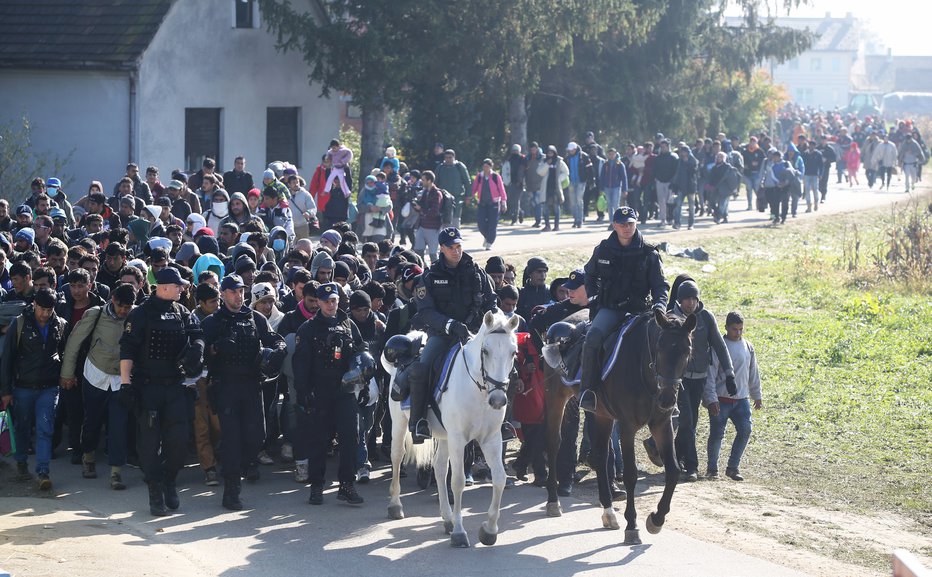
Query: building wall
817, 78
85, 112
198, 59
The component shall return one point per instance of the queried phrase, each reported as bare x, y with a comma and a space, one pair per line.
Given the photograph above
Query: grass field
845, 359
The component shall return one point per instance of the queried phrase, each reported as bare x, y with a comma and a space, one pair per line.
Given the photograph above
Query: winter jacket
664, 167
341, 158
613, 175
910, 152
813, 162
430, 202
706, 338
453, 178
104, 351
28, 360
563, 175
685, 179
885, 155
496, 187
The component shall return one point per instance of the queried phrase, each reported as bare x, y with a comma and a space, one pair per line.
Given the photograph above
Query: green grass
845, 360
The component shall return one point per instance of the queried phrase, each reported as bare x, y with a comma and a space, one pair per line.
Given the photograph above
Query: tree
361, 48
20, 163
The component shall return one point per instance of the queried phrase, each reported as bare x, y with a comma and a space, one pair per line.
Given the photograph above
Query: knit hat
207, 244
268, 173
262, 290
187, 251
321, 259
688, 289
359, 299
495, 265
27, 234
341, 270
332, 236
244, 263
350, 261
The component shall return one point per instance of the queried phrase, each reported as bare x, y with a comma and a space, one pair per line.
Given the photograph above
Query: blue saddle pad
615, 341
444, 374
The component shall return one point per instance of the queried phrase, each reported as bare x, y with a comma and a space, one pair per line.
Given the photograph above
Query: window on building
201, 136
815, 64
282, 134
247, 13
353, 111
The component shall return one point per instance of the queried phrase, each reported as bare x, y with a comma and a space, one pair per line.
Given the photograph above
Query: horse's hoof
396, 512
610, 522
632, 537
554, 510
448, 527
652, 528
487, 538
459, 540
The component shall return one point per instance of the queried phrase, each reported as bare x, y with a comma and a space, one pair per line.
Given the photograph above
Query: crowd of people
247, 316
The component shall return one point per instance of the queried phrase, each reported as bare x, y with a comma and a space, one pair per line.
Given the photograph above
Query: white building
158, 82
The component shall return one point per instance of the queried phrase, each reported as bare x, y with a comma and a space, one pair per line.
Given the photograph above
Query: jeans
689, 400
751, 183
811, 187
613, 196
722, 206
909, 174
515, 194
98, 404
689, 199
487, 221
545, 209
577, 192
365, 423
427, 238
34, 406
885, 173
663, 197
740, 414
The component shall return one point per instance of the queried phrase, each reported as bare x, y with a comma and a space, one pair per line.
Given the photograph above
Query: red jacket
316, 188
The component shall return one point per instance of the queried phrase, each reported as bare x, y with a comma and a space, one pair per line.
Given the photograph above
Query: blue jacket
614, 175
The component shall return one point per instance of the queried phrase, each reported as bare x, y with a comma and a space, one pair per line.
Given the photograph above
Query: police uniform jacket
237, 338
463, 294
156, 337
324, 349
627, 279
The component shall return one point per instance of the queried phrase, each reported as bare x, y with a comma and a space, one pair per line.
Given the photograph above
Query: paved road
520, 239
88, 530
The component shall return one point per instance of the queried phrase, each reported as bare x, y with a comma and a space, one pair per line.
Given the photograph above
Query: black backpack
447, 205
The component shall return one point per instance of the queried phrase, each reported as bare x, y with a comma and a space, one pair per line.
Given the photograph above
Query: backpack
447, 205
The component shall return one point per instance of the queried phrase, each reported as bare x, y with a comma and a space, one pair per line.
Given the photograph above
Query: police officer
324, 350
626, 275
452, 297
161, 344
240, 347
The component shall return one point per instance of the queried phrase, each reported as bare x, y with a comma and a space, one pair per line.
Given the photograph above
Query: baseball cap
53, 183
232, 282
328, 290
625, 214
23, 209
175, 184
576, 280
450, 236
169, 275
410, 271
262, 290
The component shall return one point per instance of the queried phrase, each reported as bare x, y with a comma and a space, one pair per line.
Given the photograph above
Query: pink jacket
341, 158
496, 186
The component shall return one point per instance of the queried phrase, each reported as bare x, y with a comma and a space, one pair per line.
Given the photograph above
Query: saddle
438, 376
568, 361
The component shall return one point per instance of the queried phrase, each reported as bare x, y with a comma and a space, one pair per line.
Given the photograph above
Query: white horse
473, 409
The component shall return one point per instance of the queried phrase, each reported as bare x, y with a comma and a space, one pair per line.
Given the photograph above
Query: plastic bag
7, 438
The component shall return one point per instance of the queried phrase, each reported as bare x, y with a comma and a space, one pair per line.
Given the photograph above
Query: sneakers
116, 481
317, 495
469, 479
264, 458
45, 484
287, 452
210, 477
733, 474
22, 471
690, 476
362, 475
348, 493
89, 470
300, 472
711, 473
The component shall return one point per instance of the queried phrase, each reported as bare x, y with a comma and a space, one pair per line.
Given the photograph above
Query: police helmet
366, 364
559, 333
270, 361
398, 348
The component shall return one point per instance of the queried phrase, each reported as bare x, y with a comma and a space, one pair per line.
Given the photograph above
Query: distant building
158, 82
889, 73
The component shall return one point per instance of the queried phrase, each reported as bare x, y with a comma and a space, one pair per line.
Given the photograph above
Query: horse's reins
496, 384
664, 382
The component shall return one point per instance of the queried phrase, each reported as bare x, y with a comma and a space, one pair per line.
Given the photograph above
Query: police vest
165, 342
241, 328
457, 295
332, 347
623, 278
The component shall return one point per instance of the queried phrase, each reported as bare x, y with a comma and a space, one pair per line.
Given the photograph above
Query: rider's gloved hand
460, 331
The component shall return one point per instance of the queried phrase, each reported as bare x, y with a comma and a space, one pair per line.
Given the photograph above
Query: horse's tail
421, 454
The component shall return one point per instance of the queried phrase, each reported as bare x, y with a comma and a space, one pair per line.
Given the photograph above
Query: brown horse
641, 389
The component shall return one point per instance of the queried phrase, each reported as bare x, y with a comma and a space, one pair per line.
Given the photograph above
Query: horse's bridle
486, 379
664, 382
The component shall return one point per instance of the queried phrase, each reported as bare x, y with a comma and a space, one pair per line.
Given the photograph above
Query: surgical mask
220, 209
278, 244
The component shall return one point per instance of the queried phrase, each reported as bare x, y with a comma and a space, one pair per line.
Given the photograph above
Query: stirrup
588, 401
508, 432
420, 431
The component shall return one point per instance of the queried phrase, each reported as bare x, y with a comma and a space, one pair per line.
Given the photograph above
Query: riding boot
417, 423
157, 500
591, 377
231, 490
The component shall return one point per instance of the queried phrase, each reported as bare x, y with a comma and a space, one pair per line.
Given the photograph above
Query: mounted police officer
626, 275
242, 350
452, 297
325, 351
161, 344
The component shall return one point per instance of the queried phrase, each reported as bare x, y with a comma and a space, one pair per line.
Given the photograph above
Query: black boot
171, 495
591, 378
231, 490
417, 423
348, 493
157, 500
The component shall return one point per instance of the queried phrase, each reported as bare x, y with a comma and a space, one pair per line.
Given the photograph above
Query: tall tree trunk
373, 133
517, 120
